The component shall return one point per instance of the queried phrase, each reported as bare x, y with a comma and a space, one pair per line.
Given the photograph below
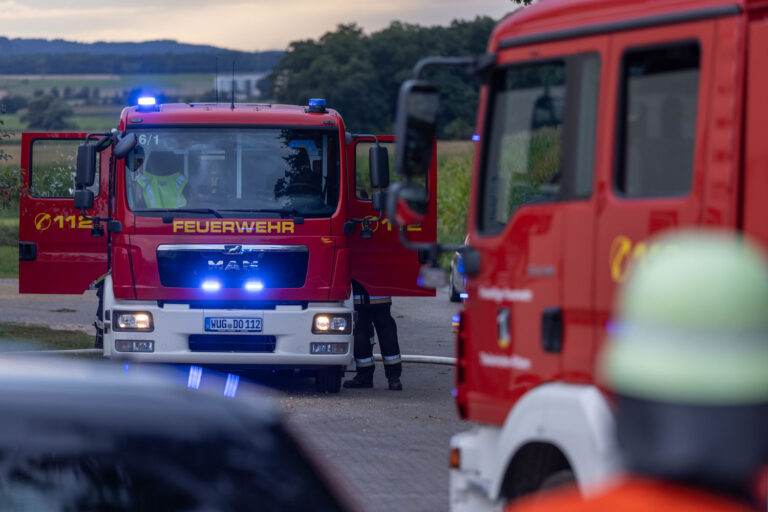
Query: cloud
241, 24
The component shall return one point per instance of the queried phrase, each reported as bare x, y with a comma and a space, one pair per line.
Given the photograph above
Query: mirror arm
365, 136
476, 65
433, 249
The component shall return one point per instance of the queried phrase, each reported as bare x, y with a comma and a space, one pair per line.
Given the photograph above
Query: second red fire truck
222, 234
600, 124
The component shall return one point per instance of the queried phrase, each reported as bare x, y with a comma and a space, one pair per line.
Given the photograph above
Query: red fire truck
600, 124
224, 234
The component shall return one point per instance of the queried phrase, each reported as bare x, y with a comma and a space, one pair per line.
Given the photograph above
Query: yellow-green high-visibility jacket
163, 191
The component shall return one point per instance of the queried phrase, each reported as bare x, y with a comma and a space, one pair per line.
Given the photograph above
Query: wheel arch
555, 427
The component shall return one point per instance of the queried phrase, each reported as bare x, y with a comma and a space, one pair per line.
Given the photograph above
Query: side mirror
407, 204
125, 145
378, 157
415, 127
379, 201
86, 165
83, 199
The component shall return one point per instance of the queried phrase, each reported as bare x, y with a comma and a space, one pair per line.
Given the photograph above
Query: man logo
244, 265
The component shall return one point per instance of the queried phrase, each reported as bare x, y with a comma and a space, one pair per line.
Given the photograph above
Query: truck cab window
290, 171
658, 121
53, 164
541, 127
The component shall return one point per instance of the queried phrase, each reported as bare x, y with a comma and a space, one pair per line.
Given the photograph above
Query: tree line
84, 63
360, 74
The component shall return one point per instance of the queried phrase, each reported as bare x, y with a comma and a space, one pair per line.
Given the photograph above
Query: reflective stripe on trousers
362, 363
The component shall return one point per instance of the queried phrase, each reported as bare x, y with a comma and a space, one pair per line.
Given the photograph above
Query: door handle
552, 330
27, 251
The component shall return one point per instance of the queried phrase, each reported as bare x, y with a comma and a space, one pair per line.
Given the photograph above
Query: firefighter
687, 363
375, 312
163, 180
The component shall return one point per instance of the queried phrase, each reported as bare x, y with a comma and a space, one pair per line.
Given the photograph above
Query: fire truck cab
221, 234
600, 124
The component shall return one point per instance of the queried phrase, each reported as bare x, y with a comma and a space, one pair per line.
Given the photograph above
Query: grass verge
15, 336
9, 262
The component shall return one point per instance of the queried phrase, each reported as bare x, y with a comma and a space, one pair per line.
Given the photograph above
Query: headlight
332, 323
140, 321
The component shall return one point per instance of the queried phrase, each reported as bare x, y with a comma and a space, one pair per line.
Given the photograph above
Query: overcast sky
240, 24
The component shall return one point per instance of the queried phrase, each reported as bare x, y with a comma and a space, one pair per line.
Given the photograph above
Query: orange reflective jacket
633, 495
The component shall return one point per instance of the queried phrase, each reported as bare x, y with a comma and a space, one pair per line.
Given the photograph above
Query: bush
10, 185
9, 234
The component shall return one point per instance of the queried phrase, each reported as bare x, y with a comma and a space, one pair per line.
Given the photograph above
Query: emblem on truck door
233, 249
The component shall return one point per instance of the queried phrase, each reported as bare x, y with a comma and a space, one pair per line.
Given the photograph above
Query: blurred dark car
457, 281
98, 437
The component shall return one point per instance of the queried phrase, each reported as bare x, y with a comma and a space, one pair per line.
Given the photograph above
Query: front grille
232, 343
187, 266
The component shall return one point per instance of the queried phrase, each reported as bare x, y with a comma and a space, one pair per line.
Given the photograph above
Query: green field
9, 262
175, 84
37, 337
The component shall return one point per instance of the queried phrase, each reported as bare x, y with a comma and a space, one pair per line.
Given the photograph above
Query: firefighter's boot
363, 379
395, 384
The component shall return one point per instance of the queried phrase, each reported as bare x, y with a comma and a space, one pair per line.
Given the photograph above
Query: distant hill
57, 56
20, 46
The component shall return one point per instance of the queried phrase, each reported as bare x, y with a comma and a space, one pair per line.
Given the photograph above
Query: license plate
224, 324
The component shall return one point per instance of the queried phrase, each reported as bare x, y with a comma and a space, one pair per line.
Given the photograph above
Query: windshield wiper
284, 213
213, 212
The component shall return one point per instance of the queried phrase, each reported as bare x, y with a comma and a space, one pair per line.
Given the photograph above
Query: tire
328, 380
454, 294
562, 478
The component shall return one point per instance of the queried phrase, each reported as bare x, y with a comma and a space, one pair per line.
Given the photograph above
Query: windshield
234, 172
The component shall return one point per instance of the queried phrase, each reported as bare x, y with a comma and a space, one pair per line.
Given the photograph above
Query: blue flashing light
209, 285
317, 102
254, 286
195, 376
230, 388
475, 138
147, 101
454, 392
463, 295
456, 319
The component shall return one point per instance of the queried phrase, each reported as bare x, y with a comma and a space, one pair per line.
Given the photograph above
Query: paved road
390, 449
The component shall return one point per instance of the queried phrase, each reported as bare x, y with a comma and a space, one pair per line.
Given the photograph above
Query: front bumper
291, 325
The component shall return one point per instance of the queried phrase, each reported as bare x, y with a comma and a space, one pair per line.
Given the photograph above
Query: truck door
381, 264
532, 222
57, 253
674, 160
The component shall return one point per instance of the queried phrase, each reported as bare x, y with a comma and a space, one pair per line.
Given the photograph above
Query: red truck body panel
69, 259
571, 255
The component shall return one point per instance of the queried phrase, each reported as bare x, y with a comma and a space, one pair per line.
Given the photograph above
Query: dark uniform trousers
374, 312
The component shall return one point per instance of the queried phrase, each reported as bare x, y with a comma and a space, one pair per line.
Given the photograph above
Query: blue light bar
254, 286
475, 138
195, 376
147, 101
230, 387
464, 295
317, 102
210, 285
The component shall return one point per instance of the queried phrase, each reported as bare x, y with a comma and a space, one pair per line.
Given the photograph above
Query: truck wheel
328, 380
562, 478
